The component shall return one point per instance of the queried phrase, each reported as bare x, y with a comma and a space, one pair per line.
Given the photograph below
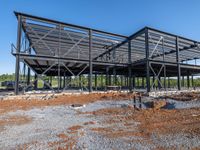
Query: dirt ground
109, 121
16, 104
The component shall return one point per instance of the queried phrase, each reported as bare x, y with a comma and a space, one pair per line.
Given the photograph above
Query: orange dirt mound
7, 105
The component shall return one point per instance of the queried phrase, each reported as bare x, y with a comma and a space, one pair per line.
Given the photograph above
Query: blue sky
180, 17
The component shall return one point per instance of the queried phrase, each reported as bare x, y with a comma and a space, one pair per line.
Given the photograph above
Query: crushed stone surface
62, 127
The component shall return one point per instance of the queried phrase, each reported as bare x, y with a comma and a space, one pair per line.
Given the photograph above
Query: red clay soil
75, 128
66, 142
12, 105
15, 120
69, 140
150, 121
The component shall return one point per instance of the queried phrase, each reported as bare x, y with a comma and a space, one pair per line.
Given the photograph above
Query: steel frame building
53, 48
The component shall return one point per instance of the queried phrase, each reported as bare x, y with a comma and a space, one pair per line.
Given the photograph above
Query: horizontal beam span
55, 58
67, 24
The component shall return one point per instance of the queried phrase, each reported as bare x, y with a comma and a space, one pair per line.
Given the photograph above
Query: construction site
81, 88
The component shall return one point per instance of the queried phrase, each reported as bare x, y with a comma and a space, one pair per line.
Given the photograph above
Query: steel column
114, 76
168, 82
192, 81
164, 64
36, 82
183, 84
142, 82
95, 80
188, 80
159, 85
129, 67
134, 81
107, 76
79, 81
178, 64
19, 32
147, 60
101, 81
64, 80
90, 61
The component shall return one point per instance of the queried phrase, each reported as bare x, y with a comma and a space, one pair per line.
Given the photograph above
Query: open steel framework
52, 48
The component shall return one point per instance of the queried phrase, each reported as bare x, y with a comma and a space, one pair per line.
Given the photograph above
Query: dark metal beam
19, 32
53, 58
63, 23
90, 61
147, 60
129, 67
178, 64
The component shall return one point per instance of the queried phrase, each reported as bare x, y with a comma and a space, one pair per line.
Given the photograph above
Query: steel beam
65, 24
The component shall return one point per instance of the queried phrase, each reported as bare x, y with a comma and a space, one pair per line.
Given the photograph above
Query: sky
181, 17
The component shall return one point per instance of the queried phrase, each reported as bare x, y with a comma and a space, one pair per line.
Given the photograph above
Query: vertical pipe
129, 67
178, 64
90, 61
19, 32
147, 59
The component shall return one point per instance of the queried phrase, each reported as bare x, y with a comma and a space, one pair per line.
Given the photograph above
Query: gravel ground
48, 122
